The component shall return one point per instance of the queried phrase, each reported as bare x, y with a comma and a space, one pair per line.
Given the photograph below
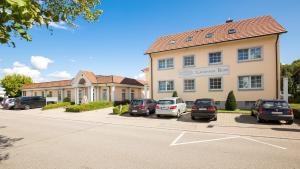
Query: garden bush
121, 109
88, 107
57, 105
124, 102
174, 94
230, 102
296, 113
67, 99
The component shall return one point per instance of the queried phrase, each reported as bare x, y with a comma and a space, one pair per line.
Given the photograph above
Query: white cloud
19, 68
140, 76
72, 60
60, 75
40, 62
59, 25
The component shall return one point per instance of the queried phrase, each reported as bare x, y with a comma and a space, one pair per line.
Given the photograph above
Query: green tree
230, 102
174, 94
18, 16
13, 84
287, 70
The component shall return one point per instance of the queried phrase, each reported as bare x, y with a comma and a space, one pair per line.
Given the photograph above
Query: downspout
277, 73
151, 84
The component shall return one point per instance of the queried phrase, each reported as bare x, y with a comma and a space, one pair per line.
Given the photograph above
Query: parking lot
98, 139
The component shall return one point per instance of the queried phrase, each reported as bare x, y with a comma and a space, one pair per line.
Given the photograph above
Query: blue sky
116, 43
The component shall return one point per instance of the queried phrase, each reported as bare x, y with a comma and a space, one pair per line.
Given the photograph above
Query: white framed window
165, 63
123, 94
215, 83
189, 85
249, 54
215, 58
132, 94
165, 86
69, 94
188, 61
250, 82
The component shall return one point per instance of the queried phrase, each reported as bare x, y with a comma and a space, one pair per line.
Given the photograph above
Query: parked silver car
172, 106
9, 103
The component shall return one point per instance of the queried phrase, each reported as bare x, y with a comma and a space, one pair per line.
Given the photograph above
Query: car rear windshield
165, 102
275, 104
204, 102
136, 102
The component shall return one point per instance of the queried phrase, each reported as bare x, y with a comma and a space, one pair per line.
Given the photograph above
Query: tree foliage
288, 70
18, 16
13, 84
230, 102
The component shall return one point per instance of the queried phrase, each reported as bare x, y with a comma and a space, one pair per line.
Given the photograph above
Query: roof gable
254, 27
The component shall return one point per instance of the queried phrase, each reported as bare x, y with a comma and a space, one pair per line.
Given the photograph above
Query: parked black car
204, 108
269, 110
30, 102
142, 107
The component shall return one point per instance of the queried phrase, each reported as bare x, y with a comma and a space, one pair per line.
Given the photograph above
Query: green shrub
121, 109
230, 102
124, 102
88, 107
174, 94
57, 105
67, 99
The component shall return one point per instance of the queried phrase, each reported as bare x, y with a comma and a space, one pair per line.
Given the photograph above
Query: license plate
134, 111
276, 113
164, 108
202, 108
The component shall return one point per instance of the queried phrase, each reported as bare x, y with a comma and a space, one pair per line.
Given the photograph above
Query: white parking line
272, 145
174, 142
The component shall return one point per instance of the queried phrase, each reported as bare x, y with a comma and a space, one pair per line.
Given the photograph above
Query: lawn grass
57, 105
295, 105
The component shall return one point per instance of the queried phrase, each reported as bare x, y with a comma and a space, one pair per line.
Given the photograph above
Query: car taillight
290, 112
194, 108
141, 107
157, 106
172, 107
211, 109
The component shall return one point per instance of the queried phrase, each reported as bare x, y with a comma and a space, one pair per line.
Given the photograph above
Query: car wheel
290, 122
215, 118
258, 119
147, 112
252, 114
26, 107
131, 114
193, 118
178, 114
158, 115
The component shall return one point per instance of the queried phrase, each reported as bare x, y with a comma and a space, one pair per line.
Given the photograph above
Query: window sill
215, 90
165, 68
251, 89
191, 66
170, 91
212, 64
250, 60
189, 90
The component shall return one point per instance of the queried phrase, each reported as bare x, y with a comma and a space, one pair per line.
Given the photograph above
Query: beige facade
264, 67
87, 85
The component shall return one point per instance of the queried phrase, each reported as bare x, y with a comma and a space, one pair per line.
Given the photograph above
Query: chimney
229, 20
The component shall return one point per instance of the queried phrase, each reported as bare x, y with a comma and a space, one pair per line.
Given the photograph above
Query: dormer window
188, 39
172, 42
231, 31
209, 35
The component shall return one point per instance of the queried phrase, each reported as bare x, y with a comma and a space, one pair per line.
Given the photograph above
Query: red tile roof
145, 69
91, 76
249, 28
62, 83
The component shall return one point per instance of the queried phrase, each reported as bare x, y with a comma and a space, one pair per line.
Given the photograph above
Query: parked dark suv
278, 110
142, 107
30, 102
204, 108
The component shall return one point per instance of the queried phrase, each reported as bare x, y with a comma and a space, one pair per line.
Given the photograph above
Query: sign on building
205, 71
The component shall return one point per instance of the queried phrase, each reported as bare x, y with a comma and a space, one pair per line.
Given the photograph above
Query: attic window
209, 35
172, 42
188, 39
231, 31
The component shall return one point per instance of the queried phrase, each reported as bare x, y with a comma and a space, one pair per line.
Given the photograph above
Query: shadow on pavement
247, 119
286, 129
6, 142
186, 117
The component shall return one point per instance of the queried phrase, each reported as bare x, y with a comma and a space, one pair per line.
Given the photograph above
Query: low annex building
87, 84
241, 56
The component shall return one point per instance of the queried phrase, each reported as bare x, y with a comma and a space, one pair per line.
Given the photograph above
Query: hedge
230, 102
57, 105
296, 113
124, 102
121, 109
88, 107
